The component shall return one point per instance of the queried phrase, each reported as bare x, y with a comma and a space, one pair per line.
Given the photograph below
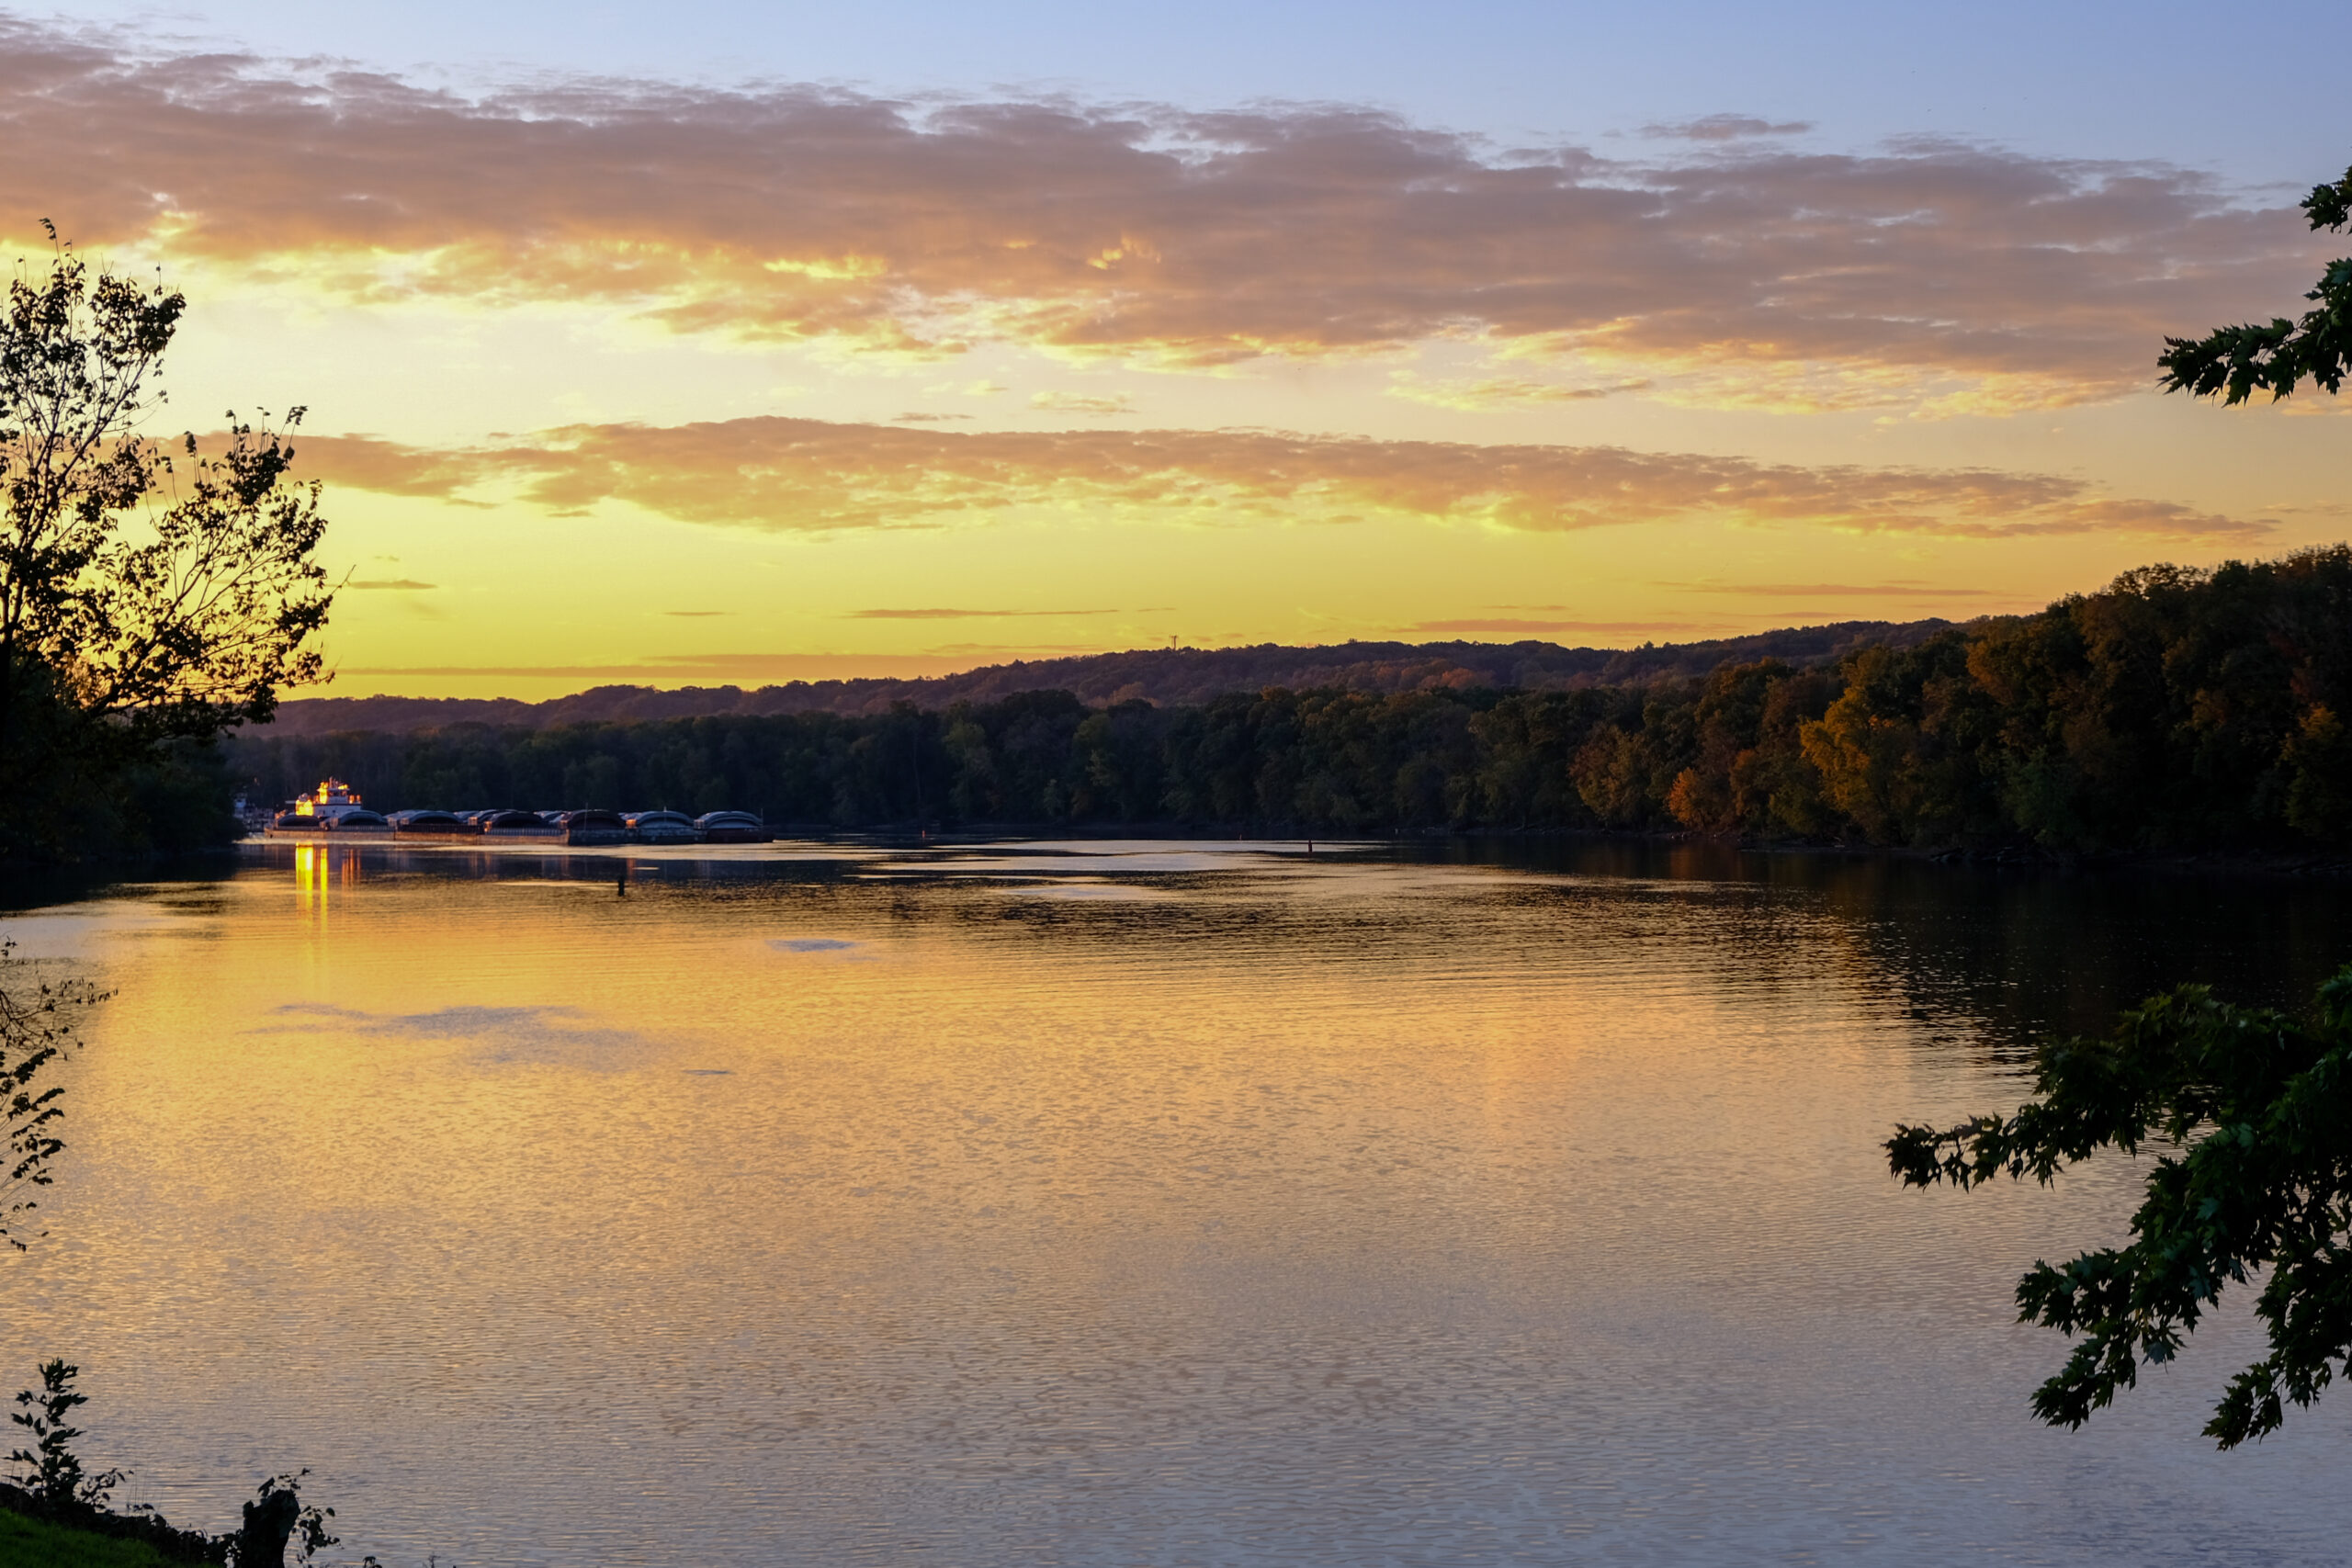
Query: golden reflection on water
318, 867
1127, 1203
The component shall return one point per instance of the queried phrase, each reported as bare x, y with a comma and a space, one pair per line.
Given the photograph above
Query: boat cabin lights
332, 798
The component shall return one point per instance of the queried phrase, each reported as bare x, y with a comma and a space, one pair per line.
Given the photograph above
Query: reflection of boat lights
315, 865
308, 883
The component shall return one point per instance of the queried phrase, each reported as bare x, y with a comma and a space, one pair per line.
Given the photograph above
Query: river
1123, 1203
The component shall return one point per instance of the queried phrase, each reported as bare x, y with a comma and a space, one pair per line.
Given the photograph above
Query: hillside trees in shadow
2176, 709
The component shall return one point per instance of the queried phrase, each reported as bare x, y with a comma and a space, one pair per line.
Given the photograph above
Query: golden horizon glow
633, 381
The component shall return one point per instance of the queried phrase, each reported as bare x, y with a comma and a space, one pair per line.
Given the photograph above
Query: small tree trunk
269, 1524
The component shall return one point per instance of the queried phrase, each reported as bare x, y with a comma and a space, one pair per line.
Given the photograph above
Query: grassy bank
29, 1543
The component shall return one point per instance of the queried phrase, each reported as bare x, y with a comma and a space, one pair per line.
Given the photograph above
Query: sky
712, 342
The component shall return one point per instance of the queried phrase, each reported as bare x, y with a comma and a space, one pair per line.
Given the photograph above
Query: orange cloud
1499, 392
1934, 272
807, 475
1081, 403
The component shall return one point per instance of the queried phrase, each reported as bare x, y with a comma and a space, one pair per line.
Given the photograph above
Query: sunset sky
706, 343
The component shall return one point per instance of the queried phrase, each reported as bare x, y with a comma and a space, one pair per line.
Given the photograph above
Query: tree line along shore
2175, 710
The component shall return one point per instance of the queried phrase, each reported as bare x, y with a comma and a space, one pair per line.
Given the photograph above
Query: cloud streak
719, 666
1488, 626
1936, 275
802, 475
1726, 127
946, 614
1081, 403
1838, 590
1476, 393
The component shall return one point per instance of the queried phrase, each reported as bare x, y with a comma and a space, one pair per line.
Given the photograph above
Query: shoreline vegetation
59, 1511
2175, 714
26, 887
30, 1539
27, 1542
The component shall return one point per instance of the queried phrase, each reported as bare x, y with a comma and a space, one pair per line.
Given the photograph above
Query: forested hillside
1167, 677
2176, 709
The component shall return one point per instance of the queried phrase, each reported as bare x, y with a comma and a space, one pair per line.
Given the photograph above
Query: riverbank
2230, 862
2167, 709
29, 1543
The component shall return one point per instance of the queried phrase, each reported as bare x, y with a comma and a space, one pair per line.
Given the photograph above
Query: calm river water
1121, 1203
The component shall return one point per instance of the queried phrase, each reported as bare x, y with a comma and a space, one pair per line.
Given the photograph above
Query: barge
335, 810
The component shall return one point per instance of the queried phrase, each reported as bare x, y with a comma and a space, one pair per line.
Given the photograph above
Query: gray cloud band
1746, 269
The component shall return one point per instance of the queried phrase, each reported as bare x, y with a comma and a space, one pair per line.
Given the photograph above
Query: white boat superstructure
331, 801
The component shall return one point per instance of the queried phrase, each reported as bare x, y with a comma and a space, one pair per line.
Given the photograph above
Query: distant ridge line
1168, 677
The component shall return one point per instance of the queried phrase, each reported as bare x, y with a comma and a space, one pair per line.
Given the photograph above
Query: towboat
333, 807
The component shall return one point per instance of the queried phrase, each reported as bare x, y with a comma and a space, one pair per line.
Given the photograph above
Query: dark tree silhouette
36, 1022
147, 595
2236, 362
2259, 1105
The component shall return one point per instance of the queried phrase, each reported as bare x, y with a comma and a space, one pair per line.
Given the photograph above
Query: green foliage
2259, 1106
58, 1491
57, 1480
2319, 790
36, 1030
2173, 710
2236, 362
82, 786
